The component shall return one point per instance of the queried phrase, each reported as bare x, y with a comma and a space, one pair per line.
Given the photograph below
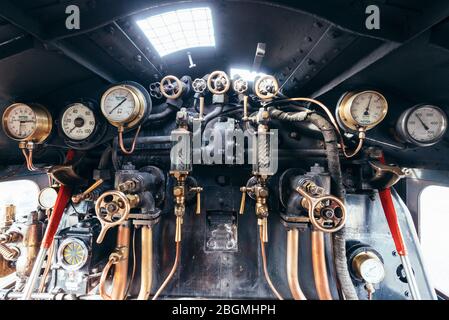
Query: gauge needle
366, 113
422, 122
121, 102
72, 129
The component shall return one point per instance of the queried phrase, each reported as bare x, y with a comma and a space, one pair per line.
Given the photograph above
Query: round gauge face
372, 271
368, 108
426, 124
20, 121
47, 198
73, 254
118, 105
78, 122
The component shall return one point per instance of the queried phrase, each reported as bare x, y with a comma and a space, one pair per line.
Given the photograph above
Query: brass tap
88, 193
198, 191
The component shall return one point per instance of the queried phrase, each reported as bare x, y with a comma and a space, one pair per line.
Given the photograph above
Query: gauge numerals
125, 105
422, 125
361, 110
27, 122
78, 122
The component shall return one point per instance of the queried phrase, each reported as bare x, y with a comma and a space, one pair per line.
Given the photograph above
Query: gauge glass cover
426, 124
368, 108
47, 198
119, 105
21, 121
78, 122
372, 271
73, 254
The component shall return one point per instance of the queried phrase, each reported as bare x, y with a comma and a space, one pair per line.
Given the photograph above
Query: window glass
434, 219
21, 193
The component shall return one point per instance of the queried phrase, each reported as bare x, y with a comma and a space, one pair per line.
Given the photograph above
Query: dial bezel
404, 134
95, 137
140, 106
44, 123
344, 111
61, 259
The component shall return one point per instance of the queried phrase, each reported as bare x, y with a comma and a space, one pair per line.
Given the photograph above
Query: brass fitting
9, 253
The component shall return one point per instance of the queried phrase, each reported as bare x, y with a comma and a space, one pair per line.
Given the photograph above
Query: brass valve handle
266, 87
198, 191
171, 87
244, 190
112, 209
218, 82
334, 216
240, 85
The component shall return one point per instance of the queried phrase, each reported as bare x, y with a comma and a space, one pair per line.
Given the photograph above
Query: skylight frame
178, 30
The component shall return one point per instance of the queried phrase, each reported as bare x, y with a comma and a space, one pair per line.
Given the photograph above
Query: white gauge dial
119, 105
426, 124
368, 108
47, 198
78, 122
21, 121
372, 271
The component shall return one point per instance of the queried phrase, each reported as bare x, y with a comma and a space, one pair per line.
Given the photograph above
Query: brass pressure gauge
361, 110
125, 105
27, 122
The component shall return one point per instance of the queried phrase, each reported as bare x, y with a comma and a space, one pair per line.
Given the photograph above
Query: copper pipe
264, 264
47, 269
172, 272
292, 264
120, 260
319, 266
146, 263
121, 143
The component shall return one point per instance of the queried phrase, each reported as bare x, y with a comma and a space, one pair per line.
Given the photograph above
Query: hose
161, 115
213, 114
331, 147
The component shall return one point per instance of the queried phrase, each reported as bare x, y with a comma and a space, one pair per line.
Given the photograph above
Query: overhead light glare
245, 74
180, 29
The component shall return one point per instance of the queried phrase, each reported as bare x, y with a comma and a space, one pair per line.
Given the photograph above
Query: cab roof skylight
180, 29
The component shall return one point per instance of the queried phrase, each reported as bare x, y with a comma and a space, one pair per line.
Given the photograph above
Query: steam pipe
119, 258
333, 160
319, 266
292, 264
146, 263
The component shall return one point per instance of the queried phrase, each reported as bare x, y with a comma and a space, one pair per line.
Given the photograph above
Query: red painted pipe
392, 218
62, 200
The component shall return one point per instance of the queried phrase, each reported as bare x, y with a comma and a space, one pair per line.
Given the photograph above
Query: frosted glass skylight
180, 29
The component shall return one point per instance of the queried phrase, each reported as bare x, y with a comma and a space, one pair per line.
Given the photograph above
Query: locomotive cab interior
224, 150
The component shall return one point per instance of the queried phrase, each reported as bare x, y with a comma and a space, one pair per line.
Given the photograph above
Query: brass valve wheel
218, 82
112, 209
266, 87
171, 87
199, 85
240, 85
326, 213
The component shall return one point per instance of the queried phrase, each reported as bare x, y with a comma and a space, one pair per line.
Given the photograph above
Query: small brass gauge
422, 125
27, 122
125, 105
47, 198
72, 254
361, 110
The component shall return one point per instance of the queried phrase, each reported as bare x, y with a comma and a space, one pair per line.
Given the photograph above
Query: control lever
87, 193
198, 191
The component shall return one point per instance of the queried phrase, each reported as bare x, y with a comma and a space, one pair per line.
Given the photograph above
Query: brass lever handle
198, 191
243, 190
82, 196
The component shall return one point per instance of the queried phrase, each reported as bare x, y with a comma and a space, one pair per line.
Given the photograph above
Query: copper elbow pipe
120, 260
292, 264
146, 263
319, 266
